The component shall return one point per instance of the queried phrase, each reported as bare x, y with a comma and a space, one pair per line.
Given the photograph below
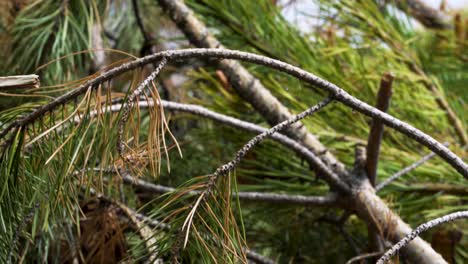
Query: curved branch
407, 239
327, 174
337, 93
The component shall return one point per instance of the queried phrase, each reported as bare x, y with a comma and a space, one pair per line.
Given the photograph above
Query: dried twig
364, 256
407, 239
19, 82
376, 132
329, 200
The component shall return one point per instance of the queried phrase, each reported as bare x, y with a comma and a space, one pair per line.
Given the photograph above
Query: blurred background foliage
352, 44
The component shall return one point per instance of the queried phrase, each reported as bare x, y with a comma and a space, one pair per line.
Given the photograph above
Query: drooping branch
327, 174
224, 170
424, 227
376, 132
337, 93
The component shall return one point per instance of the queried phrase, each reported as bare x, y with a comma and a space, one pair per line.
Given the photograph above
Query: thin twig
431, 188
231, 165
257, 258
404, 171
407, 239
364, 256
376, 132
337, 93
228, 167
329, 200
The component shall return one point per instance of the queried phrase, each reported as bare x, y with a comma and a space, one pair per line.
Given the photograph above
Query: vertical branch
373, 149
377, 127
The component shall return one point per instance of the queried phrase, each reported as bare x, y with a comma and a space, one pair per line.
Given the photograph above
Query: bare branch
330, 200
257, 258
374, 211
377, 128
404, 171
407, 239
19, 82
431, 188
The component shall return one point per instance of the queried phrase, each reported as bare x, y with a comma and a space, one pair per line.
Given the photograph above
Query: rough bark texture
375, 212
246, 85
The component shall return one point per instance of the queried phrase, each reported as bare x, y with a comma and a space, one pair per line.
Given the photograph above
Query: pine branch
252, 255
336, 92
426, 226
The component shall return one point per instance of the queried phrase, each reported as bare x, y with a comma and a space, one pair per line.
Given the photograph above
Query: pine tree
135, 148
